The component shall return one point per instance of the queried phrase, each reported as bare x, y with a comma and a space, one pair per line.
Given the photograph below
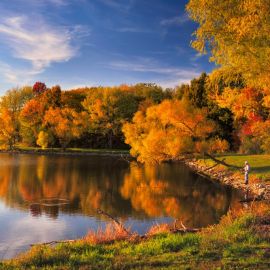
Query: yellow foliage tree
44, 139
237, 33
167, 131
242, 102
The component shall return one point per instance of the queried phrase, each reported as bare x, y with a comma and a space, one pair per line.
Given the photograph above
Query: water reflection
174, 191
121, 189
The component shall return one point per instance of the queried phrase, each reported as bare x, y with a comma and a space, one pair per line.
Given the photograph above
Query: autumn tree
108, 109
66, 124
150, 91
8, 133
242, 102
45, 138
31, 119
168, 131
74, 98
10, 106
39, 88
236, 33
52, 97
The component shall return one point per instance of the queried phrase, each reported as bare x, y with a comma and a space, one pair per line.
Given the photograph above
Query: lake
45, 198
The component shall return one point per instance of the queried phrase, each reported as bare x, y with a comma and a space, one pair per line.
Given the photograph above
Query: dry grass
158, 229
112, 232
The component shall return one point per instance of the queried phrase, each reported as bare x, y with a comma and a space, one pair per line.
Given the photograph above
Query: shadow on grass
260, 170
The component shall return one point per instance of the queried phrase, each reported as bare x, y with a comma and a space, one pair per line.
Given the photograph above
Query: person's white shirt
247, 167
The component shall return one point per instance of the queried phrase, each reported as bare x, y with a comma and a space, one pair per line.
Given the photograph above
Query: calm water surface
45, 198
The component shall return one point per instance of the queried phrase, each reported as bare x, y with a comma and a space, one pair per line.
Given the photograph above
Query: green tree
197, 91
108, 109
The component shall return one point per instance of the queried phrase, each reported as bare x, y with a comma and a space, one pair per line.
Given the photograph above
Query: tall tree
237, 33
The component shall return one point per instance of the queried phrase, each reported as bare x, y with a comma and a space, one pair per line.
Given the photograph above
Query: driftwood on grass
55, 242
184, 228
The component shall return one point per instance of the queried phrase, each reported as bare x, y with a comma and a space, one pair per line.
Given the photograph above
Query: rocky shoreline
257, 190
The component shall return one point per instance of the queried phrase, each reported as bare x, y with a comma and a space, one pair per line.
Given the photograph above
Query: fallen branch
191, 230
207, 169
184, 228
55, 242
222, 162
118, 223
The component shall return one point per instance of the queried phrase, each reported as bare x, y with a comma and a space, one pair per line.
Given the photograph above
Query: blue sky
77, 43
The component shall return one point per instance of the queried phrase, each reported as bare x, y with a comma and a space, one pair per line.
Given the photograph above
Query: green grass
260, 164
232, 244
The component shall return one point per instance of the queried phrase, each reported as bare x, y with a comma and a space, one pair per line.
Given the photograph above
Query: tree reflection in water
121, 189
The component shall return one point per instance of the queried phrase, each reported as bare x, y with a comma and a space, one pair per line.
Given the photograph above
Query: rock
261, 191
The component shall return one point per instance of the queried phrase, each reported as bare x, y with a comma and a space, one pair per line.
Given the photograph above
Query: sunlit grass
260, 164
232, 244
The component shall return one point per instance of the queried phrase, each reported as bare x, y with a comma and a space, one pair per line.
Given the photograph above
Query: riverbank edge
192, 164
70, 152
259, 191
236, 241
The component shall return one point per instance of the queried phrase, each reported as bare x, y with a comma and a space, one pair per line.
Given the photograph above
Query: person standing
246, 170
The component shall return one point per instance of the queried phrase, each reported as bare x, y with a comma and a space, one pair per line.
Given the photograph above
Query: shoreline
70, 152
260, 191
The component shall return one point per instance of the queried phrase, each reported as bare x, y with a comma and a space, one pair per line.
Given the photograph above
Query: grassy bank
235, 243
260, 165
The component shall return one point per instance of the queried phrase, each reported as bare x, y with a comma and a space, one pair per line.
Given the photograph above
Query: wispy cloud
196, 57
46, 2
169, 76
178, 20
120, 5
133, 30
37, 43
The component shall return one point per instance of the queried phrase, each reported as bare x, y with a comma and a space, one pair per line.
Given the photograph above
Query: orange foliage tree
66, 124
168, 130
31, 118
7, 129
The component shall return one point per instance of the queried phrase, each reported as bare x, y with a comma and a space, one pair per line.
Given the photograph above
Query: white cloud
169, 76
178, 20
35, 42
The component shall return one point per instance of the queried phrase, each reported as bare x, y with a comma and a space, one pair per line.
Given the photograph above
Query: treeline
214, 113
85, 117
